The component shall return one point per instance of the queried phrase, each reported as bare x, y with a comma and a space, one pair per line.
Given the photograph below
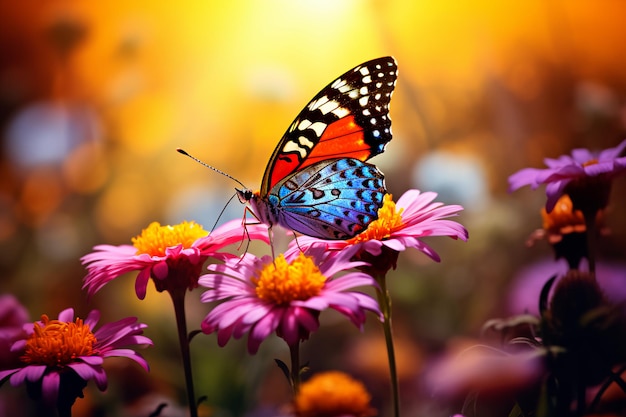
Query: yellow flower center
281, 282
389, 220
331, 394
58, 343
155, 238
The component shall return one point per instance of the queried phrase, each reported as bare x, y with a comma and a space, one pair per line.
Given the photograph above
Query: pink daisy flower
399, 226
172, 256
60, 356
586, 172
286, 295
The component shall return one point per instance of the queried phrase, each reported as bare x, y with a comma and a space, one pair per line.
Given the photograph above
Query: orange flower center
389, 220
281, 282
155, 238
563, 218
590, 162
332, 394
58, 343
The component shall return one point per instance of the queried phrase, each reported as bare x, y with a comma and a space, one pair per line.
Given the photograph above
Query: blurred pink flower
523, 295
13, 316
286, 295
484, 370
54, 351
172, 256
583, 164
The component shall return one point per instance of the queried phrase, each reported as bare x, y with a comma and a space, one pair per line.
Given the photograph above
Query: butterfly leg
245, 223
295, 238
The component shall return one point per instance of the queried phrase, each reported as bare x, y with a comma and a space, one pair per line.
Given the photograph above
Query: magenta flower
566, 174
13, 316
172, 256
260, 296
61, 355
484, 370
523, 295
399, 226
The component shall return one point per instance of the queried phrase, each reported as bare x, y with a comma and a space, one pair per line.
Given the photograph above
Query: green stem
384, 300
178, 298
294, 351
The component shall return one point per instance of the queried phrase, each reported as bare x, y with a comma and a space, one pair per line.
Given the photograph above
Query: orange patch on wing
341, 139
286, 164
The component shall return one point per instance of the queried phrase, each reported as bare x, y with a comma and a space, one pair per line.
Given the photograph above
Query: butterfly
317, 182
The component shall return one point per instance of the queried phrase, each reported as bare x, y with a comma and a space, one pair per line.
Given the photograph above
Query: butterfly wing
331, 199
349, 118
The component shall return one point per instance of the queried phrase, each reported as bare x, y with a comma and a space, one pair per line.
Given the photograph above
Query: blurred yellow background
95, 98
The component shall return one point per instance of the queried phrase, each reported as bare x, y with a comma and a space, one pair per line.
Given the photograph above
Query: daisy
172, 256
61, 356
586, 176
400, 225
260, 296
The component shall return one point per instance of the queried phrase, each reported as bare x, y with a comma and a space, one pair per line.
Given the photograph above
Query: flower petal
141, 283
50, 387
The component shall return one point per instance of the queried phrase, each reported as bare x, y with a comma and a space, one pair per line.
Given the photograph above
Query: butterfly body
332, 199
317, 181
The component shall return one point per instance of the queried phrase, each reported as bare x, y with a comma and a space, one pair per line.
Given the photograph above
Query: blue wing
332, 199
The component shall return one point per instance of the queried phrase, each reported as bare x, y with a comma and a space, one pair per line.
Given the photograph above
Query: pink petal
92, 319
264, 328
351, 280
306, 319
50, 387
141, 283
84, 370
7, 372
160, 270
95, 360
290, 328
67, 315
130, 354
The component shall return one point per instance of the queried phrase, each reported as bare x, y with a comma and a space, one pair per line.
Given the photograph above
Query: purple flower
565, 174
54, 349
473, 367
523, 296
286, 295
172, 256
13, 316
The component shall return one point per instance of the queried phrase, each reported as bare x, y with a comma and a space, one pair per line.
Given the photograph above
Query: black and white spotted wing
349, 118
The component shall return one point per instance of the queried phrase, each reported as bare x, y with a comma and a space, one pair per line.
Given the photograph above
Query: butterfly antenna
219, 216
179, 150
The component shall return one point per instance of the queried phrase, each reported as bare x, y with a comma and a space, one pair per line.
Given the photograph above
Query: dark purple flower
583, 171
